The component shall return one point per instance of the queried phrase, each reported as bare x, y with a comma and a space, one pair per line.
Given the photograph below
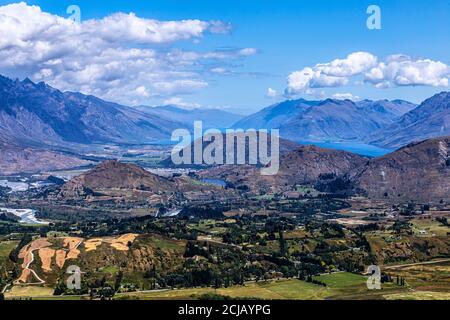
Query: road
6, 287
415, 264
27, 267
40, 280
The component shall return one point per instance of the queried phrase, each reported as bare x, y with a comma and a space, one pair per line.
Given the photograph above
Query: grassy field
296, 234
342, 280
425, 277
418, 295
5, 249
208, 226
28, 291
345, 285
429, 227
287, 289
342, 285
110, 269
167, 244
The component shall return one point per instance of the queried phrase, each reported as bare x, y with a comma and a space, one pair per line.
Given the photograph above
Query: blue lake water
355, 147
216, 182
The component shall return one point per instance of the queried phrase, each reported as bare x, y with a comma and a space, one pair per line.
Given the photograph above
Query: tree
119, 277
283, 246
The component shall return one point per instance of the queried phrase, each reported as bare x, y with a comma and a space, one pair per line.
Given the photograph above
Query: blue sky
288, 36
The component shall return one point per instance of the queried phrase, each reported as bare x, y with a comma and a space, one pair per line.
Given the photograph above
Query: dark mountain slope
40, 114
302, 166
430, 119
330, 119
416, 172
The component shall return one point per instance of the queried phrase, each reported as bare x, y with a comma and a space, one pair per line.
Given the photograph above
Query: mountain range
417, 172
430, 119
211, 118
36, 114
35, 117
330, 119
39, 114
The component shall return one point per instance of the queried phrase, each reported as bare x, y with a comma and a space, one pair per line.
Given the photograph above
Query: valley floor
339, 285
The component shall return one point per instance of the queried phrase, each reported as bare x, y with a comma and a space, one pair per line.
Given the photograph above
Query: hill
14, 160
330, 119
430, 119
302, 166
114, 179
285, 146
416, 172
117, 182
37, 114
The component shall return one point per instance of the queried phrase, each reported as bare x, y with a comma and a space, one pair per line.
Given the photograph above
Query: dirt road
415, 264
27, 267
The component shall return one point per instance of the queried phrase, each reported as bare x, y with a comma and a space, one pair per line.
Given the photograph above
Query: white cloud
395, 70
332, 74
346, 96
246, 52
28, 23
218, 70
179, 102
142, 91
179, 86
301, 81
271, 93
355, 63
401, 70
118, 57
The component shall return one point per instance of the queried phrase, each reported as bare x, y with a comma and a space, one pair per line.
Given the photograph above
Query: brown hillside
419, 171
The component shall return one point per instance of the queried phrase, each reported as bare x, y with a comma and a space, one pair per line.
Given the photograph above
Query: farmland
308, 250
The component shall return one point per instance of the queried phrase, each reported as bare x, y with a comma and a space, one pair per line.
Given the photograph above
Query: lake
354, 147
216, 182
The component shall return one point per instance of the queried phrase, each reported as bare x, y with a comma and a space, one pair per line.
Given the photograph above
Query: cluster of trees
312, 206
443, 221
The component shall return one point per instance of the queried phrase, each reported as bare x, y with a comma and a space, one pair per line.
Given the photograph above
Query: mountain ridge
430, 119
329, 119
38, 113
211, 118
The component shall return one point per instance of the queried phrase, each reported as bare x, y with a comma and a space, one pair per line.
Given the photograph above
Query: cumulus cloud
301, 81
333, 74
401, 70
354, 64
395, 70
121, 57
